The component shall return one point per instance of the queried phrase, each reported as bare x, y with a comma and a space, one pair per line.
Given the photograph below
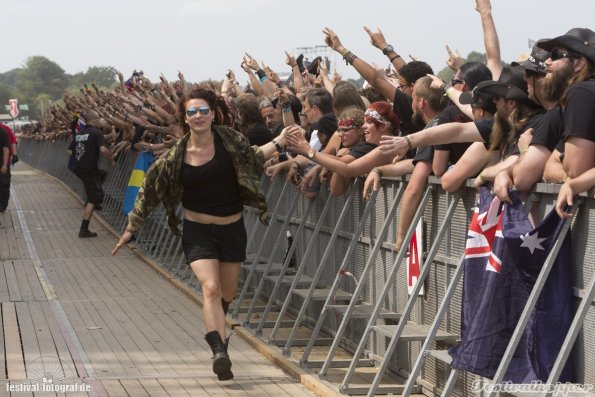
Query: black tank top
212, 188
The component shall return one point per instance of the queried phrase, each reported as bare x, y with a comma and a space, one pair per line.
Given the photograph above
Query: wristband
286, 109
409, 145
277, 145
261, 74
391, 59
445, 88
378, 171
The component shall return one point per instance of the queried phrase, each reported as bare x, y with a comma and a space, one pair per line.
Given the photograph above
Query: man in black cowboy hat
528, 170
571, 70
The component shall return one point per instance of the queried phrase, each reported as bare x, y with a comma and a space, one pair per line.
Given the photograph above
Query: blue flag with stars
503, 257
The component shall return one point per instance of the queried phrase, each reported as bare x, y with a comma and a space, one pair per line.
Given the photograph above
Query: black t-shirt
361, 149
485, 130
549, 130
426, 153
402, 107
259, 134
579, 115
4, 143
452, 114
85, 147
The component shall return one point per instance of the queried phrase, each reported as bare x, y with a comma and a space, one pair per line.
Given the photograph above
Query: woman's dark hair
473, 73
223, 115
345, 95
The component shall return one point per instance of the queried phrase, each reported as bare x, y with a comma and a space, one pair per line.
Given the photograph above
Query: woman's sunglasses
203, 110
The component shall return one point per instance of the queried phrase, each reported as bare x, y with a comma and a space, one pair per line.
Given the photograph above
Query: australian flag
503, 257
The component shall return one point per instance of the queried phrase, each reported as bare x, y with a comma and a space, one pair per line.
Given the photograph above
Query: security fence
340, 278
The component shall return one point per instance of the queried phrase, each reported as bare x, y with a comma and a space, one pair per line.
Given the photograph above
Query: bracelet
349, 57
277, 145
378, 171
445, 88
523, 151
296, 165
294, 65
480, 177
409, 145
391, 59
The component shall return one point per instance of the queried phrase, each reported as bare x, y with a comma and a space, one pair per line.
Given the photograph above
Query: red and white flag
14, 107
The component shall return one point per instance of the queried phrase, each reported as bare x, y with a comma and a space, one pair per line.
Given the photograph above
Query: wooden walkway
75, 319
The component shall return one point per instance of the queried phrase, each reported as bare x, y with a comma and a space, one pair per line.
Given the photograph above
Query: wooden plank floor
111, 326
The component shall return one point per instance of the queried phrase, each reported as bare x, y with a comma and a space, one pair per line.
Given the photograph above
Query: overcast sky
203, 38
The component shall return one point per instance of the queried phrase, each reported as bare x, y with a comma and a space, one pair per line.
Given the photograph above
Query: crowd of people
506, 126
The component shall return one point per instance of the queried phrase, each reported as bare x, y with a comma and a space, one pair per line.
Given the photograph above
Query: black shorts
92, 184
224, 242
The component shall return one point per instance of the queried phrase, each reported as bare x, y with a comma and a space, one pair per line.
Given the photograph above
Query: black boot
221, 361
84, 232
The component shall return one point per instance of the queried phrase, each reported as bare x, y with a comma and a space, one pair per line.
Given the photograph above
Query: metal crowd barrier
349, 286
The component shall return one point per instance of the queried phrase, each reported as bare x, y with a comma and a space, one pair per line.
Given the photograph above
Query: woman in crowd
213, 172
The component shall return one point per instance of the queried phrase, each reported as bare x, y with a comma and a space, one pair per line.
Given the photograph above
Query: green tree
103, 76
42, 76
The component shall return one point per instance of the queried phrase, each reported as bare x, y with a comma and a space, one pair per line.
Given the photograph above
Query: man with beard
427, 103
572, 64
546, 91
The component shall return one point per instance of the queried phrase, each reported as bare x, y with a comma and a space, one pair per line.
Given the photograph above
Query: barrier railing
345, 251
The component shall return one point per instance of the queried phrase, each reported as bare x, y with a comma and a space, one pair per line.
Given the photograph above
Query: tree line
41, 82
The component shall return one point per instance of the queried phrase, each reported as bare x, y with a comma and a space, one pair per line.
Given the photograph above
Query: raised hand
332, 40
454, 60
290, 59
483, 6
376, 38
250, 61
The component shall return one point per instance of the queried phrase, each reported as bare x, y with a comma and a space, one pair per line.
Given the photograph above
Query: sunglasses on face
456, 81
401, 86
203, 110
559, 54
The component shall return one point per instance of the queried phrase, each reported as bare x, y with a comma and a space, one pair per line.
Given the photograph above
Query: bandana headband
377, 116
350, 123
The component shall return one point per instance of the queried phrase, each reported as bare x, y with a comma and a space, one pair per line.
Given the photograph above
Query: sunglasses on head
559, 54
203, 110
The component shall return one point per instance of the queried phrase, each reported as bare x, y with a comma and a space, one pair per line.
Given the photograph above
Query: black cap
327, 124
477, 98
536, 61
578, 40
510, 85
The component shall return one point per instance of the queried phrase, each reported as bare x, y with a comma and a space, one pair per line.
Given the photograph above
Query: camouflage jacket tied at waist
163, 181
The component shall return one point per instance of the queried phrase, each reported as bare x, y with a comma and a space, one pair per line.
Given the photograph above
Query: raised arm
375, 77
490, 37
377, 39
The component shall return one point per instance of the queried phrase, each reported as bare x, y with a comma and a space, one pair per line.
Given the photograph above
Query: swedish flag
144, 161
